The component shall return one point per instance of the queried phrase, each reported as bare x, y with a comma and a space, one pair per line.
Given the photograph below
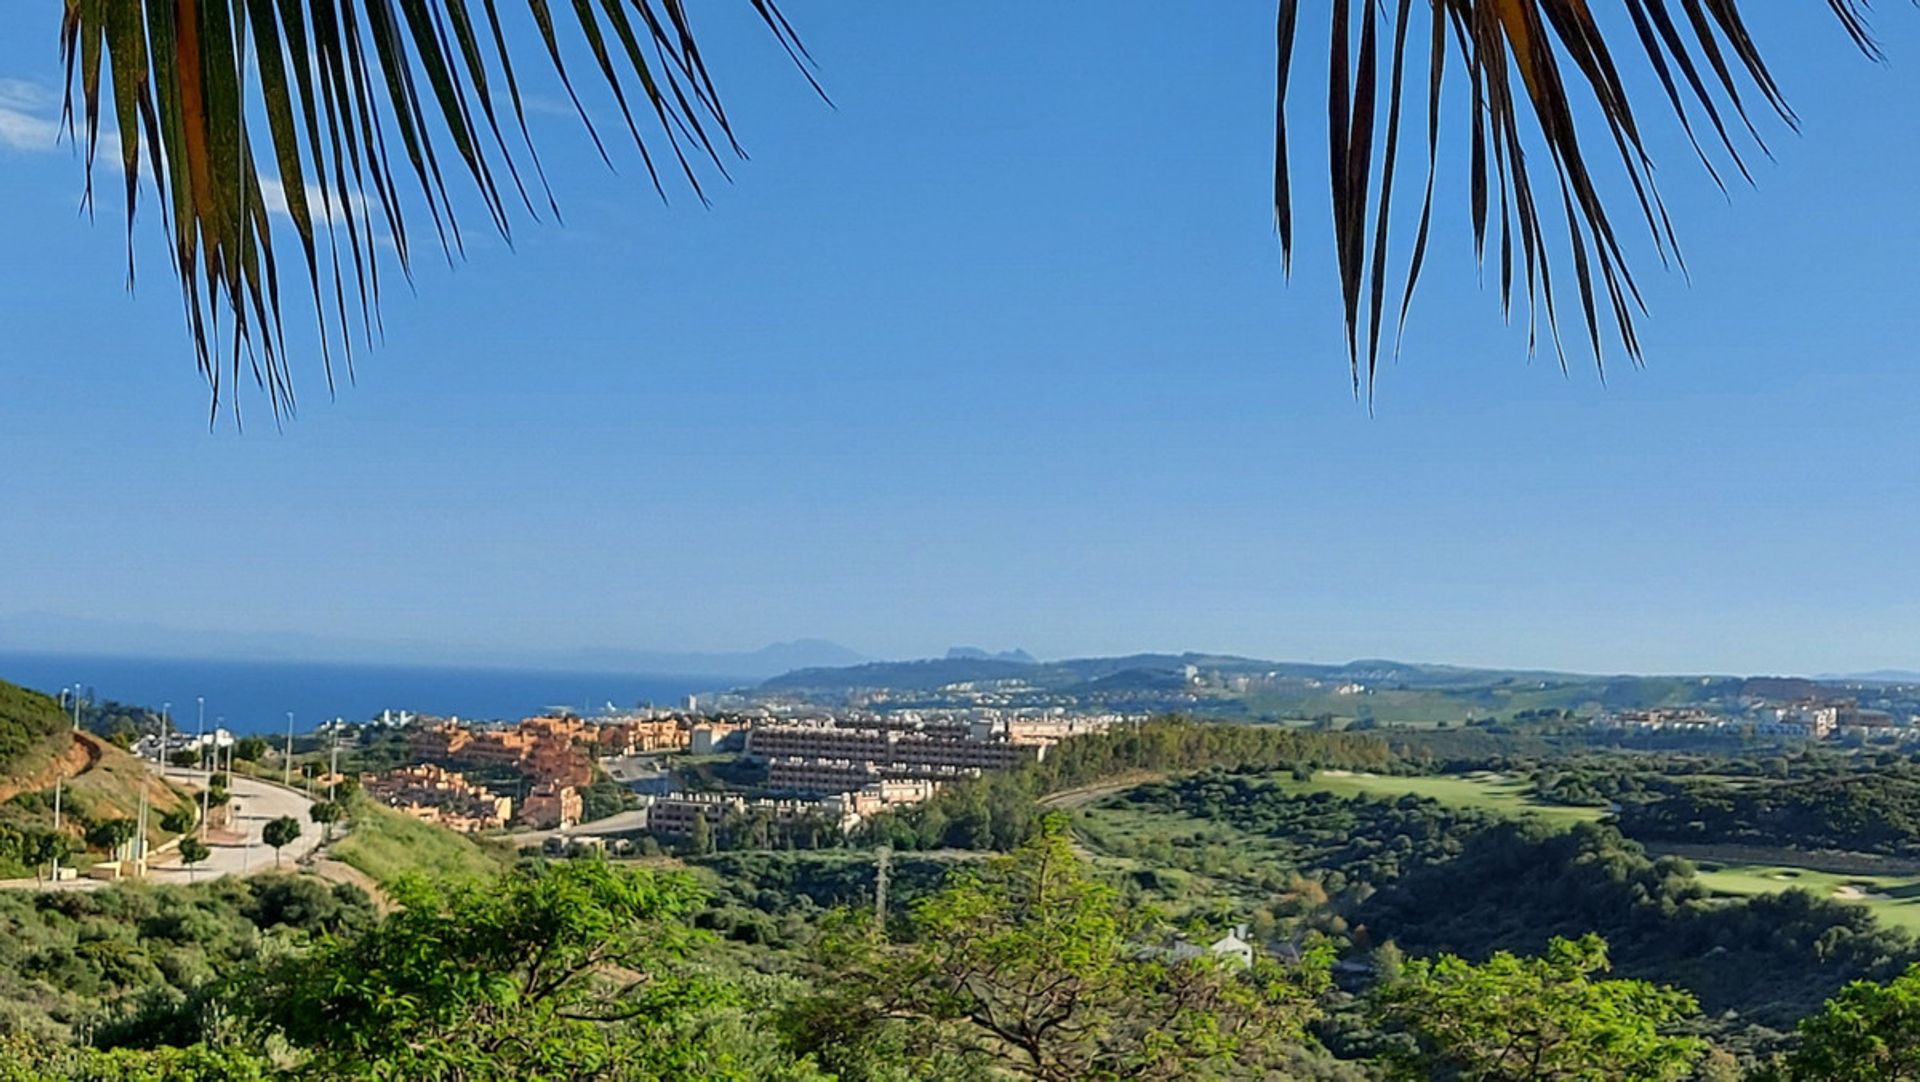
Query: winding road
240, 852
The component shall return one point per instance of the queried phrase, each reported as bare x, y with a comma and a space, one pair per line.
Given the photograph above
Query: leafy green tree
1867, 1031
577, 969
326, 813
193, 851
1537, 1019
279, 833
180, 820
185, 760
251, 749
1030, 966
111, 834
24, 1059
701, 839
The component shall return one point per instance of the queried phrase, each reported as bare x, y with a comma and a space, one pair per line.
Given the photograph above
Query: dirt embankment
81, 754
1087, 794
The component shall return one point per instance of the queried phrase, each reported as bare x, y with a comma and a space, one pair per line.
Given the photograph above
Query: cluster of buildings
842, 770
1808, 718
546, 750
818, 769
673, 815
554, 755
1818, 720
438, 795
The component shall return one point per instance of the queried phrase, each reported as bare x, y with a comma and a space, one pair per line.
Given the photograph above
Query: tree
250, 749
1030, 966
185, 760
701, 839
302, 62
578, 963
1867, 1031
193, 851
111, 834
279, 833
326, 813
1537, 1019
180, 820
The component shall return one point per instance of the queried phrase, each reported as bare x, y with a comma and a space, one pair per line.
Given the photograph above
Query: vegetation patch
1505, 794
386, 845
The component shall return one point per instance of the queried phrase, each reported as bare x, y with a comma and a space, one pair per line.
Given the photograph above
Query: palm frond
349, 93
1529, 67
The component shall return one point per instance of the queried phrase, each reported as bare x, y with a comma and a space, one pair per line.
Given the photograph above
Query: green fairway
1501, 793
1895, 900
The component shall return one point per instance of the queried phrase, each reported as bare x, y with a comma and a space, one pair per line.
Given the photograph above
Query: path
255, 802
1067, 799
624, 822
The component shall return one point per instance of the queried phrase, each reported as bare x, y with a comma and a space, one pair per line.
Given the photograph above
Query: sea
254, 696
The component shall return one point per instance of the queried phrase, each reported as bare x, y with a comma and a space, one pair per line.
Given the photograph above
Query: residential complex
438, 795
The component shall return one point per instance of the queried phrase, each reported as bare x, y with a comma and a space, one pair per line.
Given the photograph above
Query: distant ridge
767, 661
974, 653
964, 665
1877, 676
1168, 671
52, 633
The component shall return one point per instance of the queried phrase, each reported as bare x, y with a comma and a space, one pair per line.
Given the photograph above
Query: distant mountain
1165, 672
964, 666
781, 657
1878, 676
974, 653
902, 675
49, 633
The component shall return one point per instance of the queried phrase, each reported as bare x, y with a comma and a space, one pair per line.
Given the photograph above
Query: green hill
386, 845
38, 748
31, 726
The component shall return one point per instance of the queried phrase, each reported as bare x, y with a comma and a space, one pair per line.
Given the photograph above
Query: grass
387, 845
1894, 900
1499, 793
1186, 864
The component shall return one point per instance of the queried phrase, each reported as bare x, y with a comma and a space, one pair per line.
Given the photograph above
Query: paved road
617, 823
256, 802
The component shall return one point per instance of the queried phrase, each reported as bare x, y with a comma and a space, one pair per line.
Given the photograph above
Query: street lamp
287, 777
206, 787
165, 708
59, 783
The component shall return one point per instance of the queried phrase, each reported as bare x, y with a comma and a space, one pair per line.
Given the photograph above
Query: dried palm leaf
348, 93
1530, 67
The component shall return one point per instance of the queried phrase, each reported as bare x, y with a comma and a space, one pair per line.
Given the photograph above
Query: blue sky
998, 351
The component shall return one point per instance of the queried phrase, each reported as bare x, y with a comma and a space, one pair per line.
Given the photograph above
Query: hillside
37, 749
1393, 691
385, 845
30, 732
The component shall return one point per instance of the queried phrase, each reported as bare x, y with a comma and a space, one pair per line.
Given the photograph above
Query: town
684, 777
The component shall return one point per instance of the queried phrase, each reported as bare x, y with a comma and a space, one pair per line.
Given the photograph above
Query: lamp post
287, 778
59, 783
165, 708
333, 767
205, 784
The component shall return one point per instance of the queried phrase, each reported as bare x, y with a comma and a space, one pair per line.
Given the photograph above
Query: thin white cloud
274, 194
28, 117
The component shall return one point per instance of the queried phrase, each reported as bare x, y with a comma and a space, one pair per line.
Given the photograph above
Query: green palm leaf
352, 93
355, 92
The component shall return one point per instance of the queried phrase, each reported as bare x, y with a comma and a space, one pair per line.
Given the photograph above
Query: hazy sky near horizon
998, 351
